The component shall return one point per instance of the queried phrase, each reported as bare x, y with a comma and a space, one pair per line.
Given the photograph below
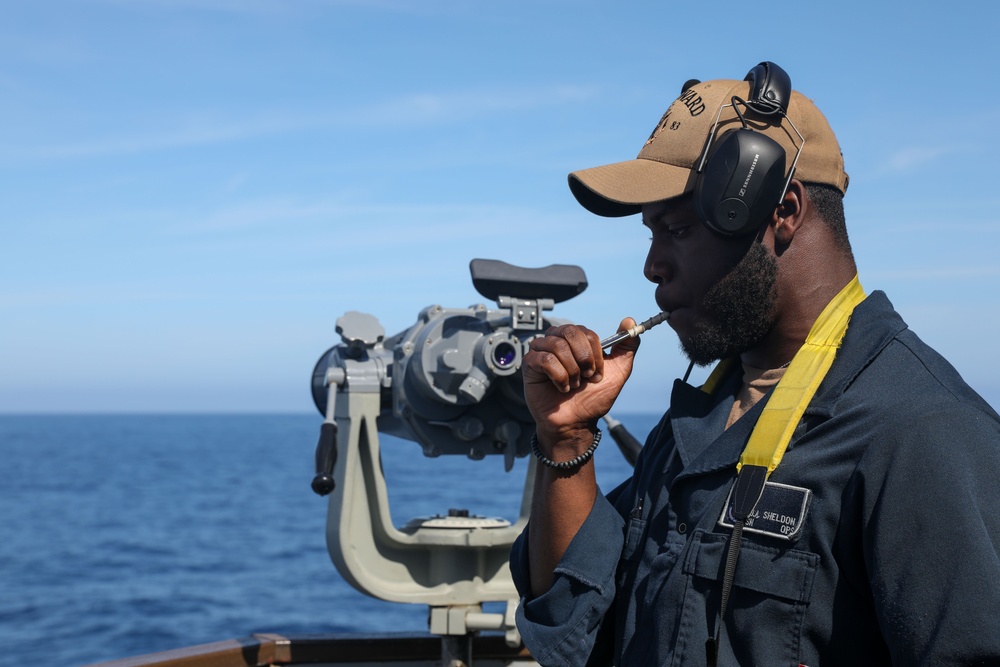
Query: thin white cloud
452, 107
948, 140
192, 134
40, 49
402, 112
354, 222
910, 159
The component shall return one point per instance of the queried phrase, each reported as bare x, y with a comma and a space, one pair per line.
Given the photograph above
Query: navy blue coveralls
894, 560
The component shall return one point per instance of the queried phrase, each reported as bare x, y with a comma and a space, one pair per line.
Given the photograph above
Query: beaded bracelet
565, 465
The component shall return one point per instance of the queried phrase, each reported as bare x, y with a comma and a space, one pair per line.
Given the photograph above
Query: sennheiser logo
746, 181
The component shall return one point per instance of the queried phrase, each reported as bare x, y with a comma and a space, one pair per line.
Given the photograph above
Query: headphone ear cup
741, 182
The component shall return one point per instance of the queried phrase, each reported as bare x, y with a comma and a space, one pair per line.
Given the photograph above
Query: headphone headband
770, 89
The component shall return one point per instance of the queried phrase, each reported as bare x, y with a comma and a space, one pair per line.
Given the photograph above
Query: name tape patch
780, 512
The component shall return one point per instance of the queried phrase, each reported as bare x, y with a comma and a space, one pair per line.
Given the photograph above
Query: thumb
627, 345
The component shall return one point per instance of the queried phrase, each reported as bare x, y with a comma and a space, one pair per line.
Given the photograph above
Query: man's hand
569, 384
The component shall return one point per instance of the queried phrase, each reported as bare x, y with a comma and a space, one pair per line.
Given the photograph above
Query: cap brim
620, 189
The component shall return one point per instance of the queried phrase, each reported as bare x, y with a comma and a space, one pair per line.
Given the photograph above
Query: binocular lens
504, 355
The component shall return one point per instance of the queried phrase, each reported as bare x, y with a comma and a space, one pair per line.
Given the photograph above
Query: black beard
739, 309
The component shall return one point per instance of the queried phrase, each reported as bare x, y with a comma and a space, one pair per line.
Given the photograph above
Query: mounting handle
326, 458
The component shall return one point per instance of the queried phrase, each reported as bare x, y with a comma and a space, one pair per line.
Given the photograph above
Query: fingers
567, 355
569, 383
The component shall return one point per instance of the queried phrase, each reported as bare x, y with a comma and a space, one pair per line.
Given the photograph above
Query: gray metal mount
451, 382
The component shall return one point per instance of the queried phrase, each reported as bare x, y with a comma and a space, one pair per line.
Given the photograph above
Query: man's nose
656, 268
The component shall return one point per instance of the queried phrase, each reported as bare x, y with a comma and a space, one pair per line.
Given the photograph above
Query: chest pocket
771, 591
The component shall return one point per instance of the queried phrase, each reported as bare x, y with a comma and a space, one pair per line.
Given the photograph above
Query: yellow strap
797, 387
717, 375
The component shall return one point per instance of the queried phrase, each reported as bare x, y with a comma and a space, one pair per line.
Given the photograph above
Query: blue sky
192, 192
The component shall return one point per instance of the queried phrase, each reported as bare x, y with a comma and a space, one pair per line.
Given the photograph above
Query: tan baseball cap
666, 166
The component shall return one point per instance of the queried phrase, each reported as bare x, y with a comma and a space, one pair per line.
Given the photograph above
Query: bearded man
830, 496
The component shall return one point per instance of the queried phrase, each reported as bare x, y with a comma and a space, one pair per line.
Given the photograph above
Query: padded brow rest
559, 282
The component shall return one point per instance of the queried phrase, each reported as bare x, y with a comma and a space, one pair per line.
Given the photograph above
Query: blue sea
131, 534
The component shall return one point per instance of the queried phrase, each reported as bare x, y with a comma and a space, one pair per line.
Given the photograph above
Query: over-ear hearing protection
741, 178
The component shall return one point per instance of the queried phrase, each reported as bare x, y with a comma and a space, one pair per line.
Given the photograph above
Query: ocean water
130, 534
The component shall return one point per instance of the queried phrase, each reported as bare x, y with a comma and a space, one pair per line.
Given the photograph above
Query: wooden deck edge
265, 650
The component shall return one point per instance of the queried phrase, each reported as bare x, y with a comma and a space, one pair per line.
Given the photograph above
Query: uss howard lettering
689, 99
692, 101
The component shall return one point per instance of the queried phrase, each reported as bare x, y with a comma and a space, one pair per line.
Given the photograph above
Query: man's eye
675, 232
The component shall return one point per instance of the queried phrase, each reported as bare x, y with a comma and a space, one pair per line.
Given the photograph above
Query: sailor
830, 496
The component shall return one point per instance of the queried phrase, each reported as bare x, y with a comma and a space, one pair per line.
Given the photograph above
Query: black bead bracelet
565, 465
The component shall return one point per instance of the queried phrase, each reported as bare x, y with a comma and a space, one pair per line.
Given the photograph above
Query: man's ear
790, 213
